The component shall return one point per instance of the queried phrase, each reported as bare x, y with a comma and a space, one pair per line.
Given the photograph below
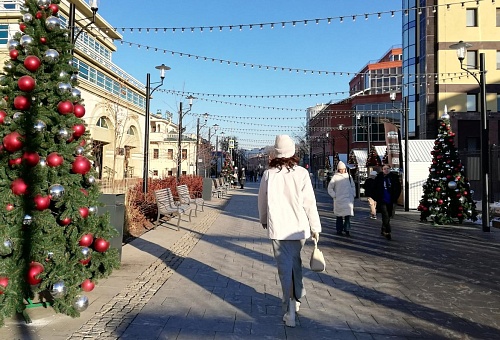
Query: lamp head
341, 126
205, 116
392, 95
190, 97
216, 127
162, 69
94, 5
461, 48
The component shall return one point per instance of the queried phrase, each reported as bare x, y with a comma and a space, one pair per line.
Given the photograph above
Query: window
156, 153
471, 60
498, 102
4, 34
471, 102
170, 173
471, 17
155, 172
131, 131
170, 154
472, 143
101, 122
184, 153
498, 17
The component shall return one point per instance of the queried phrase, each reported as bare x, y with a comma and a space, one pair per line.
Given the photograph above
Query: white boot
289, 317
297, 306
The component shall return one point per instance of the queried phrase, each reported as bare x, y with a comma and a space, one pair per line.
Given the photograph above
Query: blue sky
335, 47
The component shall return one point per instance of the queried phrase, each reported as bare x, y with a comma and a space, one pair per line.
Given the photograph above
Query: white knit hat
284, 146
341, 165
373, 173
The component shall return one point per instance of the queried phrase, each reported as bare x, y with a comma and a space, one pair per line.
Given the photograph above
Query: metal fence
472, 163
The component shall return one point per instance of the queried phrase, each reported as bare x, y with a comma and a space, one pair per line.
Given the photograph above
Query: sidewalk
216, 279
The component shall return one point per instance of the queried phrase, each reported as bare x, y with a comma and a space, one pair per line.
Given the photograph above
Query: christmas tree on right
447, 195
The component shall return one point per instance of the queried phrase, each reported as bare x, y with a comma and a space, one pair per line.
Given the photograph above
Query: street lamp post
179, 141
215, 127
347, 138
406, 168
461, 48
198, 127
222, 136
149, 92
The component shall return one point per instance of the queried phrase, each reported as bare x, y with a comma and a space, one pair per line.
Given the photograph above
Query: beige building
114, 100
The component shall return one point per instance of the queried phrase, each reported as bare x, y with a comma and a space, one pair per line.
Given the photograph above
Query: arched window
131, 131
101, 122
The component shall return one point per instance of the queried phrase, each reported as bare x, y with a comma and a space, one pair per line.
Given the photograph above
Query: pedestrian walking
369, 187
343, 190
242, 178
287, 209
387, 189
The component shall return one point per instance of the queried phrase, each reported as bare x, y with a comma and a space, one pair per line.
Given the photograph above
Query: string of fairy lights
294, 23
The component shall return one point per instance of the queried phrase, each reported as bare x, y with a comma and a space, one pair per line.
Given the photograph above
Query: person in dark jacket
387, 189
242, 177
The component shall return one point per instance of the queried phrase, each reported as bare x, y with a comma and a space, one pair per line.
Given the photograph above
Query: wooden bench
167, 205
190, 198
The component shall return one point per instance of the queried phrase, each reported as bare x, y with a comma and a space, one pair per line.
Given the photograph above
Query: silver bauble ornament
63, 134
58, 290
93, 210
469, 212
80, 303
43, 4
56, 192
52, 23
12, 44
51, 56
40, 126
26, 40
73, 78
91, 180
86, 252
17, 115
63, 75
27, 17
70, 62
27, 219
76, 94
452, 185
50, 255
64, 88
42, 162
6, 247
79, 151
8, 67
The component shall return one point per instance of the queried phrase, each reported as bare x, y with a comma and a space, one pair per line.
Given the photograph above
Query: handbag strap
315, 243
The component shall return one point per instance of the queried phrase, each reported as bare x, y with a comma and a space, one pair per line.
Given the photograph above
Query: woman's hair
288, 162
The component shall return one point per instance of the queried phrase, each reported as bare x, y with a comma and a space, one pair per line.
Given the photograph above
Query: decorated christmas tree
53, 244
373, 158
447, 196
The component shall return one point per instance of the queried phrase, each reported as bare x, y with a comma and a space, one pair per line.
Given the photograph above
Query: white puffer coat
342, 189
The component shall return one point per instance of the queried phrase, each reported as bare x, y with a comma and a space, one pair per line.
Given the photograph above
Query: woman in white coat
287, 209
342, 189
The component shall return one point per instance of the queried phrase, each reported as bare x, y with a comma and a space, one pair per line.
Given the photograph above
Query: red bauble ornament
15, 161
87, 285
459, 215
39, 15
65, 221
101, 245
4, 282
54, 159
22, 26
41, 202
32, 63
34, 270
81, 165
79, 110
82, 142
438, 189
9, 207
3, 114
85, 192
54, 8
31, 158
465, 193
13, 54
440, 202
43, 40
22, 103
85, 261
19, 187
65, 107
78, 130
84, 212
86, 240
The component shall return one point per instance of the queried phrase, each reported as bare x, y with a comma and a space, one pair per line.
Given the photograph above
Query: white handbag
317, 262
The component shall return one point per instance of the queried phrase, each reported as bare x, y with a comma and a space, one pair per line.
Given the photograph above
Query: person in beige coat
342, 189
287, 209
